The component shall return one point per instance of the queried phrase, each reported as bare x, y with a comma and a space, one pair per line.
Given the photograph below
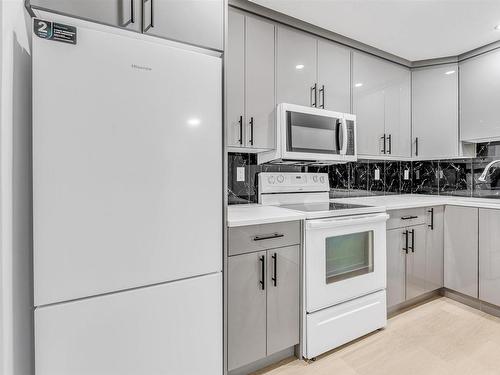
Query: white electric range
344, 260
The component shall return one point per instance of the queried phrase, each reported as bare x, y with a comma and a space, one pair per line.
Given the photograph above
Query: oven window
312, 133
349, 256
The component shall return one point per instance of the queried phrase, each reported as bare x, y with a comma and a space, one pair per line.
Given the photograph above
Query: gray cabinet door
435, 110
121, 13
489, 256
479, 97
282, 298
198, 22
369, 102
396, 265
461, 249
334, 77
416, 262
259, 83
246, 309
434, 249
296, 67
235, 79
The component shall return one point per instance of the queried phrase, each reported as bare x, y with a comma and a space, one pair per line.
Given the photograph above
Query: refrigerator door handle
151, 19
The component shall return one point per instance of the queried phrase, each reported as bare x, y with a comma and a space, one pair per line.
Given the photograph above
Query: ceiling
411, 29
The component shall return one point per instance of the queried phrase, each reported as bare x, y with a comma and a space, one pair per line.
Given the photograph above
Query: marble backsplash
373, 177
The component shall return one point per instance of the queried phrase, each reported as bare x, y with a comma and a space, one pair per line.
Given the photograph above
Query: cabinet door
296, 67
396, 264
282, 298
397, 114
259, 81
489, 256
198, 22
435, 246
461, 249
334, 77
435, 110
235, 76
479, 97
246, 309
416, 262
121, 13
369, 102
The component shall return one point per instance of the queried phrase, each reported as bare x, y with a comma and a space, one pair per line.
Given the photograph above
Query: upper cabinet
312, 72
479, 97
197, 22
435, 111
381, 103
250, 86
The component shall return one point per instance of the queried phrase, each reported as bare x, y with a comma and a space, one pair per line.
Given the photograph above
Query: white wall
16, 306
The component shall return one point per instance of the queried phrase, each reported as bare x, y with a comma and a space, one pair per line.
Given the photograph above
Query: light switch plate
240, 174
377, 174
406, 174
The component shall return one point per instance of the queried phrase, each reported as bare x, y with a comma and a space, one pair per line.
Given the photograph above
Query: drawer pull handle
270, 237
409, 217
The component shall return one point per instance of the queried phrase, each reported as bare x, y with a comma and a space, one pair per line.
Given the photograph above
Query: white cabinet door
369, 102
434, 243
416, 283
296, 67
461, 249
397, 114
173, 328
112, 208
479, 97
489, 256
334, 77
235, 77
259, 83
435, 111
396, 266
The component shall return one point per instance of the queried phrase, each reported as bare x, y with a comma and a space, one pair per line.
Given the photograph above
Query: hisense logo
141, 67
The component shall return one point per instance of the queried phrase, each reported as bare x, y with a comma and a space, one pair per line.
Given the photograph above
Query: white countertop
396, 202
251, 214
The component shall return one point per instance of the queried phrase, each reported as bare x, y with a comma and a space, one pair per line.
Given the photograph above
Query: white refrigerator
127, 200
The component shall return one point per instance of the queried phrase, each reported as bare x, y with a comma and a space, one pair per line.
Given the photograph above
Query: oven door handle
346, 221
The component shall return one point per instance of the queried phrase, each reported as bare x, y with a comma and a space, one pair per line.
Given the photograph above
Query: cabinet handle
251, 131
322, 94
409, 217
275, 264
270, 237
151, 21
314, 94
405, 233
431, 211
389, 138
240, 122
413, 240
384, 141
416, 146
262, 260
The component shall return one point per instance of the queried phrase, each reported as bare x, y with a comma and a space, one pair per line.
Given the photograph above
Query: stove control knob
322, 179
280, 178
315, 178
270, 179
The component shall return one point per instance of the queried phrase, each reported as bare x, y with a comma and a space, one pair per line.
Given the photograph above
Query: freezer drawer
330, 328
174, 328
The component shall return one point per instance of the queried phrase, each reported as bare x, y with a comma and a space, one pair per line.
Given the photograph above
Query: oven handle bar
346, 221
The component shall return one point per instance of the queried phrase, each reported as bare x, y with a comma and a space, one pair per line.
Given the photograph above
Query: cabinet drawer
407, 217
264, 236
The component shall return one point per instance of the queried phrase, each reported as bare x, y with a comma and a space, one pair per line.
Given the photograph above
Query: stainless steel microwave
313, 134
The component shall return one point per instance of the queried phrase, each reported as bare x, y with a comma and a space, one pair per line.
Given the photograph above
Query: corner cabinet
250, 93
381, 102
414, 253
197, 22
262, 291
312, 71
435, 112
479, 98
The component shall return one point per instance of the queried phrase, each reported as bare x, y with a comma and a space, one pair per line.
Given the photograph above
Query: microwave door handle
343, 150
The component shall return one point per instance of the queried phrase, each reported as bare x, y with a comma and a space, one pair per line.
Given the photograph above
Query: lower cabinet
414, 254
489, 256
263, 304
461, 250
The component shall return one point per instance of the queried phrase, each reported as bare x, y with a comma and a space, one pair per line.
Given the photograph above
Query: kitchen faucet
482, 178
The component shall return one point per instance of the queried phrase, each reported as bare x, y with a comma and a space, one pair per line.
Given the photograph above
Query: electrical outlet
240, 174
377, 174
406, 174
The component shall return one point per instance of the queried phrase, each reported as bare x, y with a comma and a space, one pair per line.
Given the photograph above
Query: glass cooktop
321, 206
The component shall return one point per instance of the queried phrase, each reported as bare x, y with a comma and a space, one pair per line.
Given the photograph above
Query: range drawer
407, 217
252, 238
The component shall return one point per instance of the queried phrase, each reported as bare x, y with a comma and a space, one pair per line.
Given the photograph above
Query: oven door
345, 259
